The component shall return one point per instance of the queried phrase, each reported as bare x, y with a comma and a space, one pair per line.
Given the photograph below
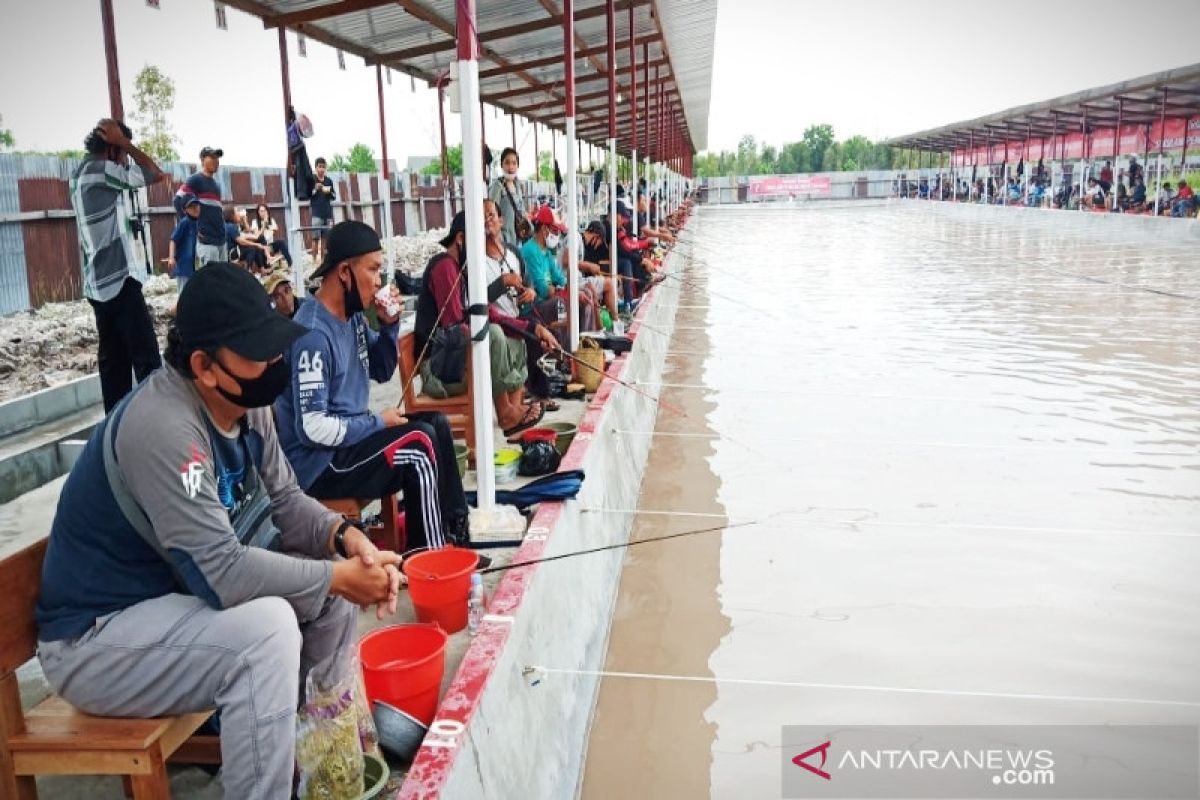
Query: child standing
181, 253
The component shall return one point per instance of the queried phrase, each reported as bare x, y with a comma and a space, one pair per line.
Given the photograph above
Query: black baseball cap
346, 240
205, 152
457, 225
225, 306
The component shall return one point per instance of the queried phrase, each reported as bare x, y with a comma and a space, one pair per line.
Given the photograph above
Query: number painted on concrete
539, 529
443, 733
535, 537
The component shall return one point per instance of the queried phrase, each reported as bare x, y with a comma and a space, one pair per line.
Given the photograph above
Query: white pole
633, 184
649, 183
612, 212
1082, 177
297, 236
572, 232
473, 196
1158, 180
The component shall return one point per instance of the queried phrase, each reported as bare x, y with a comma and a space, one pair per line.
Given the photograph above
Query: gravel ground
57, 342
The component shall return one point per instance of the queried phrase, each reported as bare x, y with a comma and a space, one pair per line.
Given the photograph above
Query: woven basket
589, 353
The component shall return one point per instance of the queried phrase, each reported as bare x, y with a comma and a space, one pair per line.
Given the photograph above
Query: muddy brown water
973, 442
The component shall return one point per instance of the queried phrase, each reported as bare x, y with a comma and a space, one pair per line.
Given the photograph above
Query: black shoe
484, 562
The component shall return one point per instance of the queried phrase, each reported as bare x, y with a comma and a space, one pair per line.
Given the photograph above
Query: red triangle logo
823, 749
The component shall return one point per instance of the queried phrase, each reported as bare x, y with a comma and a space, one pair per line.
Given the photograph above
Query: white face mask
510, 173
552, 241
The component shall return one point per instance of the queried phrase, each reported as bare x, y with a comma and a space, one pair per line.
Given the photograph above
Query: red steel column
285, 73
633, 89
385, 186
611, 20
382, 121
115, 105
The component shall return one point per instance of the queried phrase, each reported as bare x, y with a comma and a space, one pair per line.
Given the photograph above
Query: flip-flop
547, 404
526, 422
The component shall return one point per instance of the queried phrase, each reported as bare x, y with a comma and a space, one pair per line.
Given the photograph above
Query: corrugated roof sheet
1140, 101
520, 40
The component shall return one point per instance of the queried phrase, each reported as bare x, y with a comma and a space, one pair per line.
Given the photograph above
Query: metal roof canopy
521, 58
1139, 101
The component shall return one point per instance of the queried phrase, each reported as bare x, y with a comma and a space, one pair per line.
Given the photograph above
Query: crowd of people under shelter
1125, 192
191, 564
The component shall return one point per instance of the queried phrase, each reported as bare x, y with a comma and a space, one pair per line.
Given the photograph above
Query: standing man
210, 240
111, 282
322, 208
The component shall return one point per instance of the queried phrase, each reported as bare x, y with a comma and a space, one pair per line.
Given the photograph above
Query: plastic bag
329, 750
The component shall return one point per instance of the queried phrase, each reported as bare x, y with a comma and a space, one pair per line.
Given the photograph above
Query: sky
869, 67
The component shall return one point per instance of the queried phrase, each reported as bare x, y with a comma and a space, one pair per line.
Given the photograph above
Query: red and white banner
789, 184
1070, 144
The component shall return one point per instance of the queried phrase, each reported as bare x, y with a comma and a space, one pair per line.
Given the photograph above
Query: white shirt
506, 303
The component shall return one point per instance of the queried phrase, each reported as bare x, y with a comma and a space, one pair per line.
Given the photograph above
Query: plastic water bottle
475, 609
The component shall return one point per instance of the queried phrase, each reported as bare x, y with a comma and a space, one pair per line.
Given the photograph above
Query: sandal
533, 415
547, 404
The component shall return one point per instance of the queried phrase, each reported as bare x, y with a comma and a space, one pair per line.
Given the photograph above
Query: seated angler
150, 603
337, 446
443, 302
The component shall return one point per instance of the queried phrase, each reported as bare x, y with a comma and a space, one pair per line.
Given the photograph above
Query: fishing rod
624, 545
604, 373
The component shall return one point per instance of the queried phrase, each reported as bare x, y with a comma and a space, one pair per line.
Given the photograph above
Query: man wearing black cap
210, 239
337, 446
151, 603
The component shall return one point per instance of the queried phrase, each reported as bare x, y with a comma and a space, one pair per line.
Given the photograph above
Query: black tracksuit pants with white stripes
416, 458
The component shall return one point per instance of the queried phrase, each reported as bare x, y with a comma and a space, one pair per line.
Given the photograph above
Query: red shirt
1185, 192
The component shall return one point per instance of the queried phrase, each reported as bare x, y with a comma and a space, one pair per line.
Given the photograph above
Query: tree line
817, 151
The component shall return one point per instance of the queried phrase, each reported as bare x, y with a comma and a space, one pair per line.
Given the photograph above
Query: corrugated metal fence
39, 246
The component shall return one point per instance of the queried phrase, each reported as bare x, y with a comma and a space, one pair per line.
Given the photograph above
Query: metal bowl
399, 733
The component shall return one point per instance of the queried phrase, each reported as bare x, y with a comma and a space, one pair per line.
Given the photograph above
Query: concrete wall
1124, 228
501, 733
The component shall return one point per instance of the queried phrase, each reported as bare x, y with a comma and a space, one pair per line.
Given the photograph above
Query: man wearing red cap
541, 268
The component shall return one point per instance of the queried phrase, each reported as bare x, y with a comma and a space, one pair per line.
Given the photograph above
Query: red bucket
439, 582
539, 435
403, 666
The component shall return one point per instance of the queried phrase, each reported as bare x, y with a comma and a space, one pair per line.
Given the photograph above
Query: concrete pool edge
498, 731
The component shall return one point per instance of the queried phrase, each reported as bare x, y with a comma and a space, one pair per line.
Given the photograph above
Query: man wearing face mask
505, 192
542, 272
151, 602
337, 446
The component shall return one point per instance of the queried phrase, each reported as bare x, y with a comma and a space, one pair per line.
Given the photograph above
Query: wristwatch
339, 536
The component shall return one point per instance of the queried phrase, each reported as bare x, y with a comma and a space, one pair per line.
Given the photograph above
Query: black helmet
538, 458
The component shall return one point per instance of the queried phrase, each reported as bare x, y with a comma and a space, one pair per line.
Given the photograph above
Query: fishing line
624, 545
532, 669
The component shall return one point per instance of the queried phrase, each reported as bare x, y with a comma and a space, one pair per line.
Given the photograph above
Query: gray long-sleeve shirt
194, 483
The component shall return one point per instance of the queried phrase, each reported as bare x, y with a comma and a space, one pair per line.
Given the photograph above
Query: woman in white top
266, 230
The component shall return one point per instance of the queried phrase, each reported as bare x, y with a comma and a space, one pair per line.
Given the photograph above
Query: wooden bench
458, 409
55, 739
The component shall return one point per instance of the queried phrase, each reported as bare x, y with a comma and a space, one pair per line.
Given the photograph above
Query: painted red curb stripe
431, 768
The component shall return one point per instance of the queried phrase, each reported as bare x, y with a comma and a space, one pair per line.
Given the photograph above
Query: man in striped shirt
210, 236
112, 278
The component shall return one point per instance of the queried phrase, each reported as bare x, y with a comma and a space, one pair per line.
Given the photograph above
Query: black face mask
351, 297
261, 391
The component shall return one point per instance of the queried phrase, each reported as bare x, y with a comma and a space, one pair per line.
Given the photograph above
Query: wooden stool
458, 409
55, 739
387, 535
